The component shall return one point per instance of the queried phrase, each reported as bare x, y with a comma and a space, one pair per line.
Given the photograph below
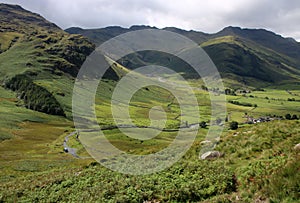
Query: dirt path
68, 149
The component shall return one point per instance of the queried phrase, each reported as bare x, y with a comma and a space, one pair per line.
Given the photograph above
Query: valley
39, 63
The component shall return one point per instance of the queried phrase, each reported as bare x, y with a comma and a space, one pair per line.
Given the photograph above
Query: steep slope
38, 60
38, 66
251, 57
243, 61
286, 46
15, 18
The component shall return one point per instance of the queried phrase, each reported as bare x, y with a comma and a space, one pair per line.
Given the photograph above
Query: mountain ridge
276, 63
17, 17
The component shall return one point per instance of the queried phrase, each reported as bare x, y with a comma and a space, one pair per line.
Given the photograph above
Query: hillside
37, 58
44, 158
254, 58
38, 62
286, 46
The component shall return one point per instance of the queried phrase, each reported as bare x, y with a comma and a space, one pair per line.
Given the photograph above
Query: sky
210, 16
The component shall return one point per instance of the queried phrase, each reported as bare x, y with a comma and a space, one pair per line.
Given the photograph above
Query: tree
288, 116
203, 87
203, 124
234, 125
228, 91
294, 117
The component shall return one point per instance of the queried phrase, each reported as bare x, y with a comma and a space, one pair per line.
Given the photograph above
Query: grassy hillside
33, 49
248, 56
38, 66
259, 164
286, 46
247, 62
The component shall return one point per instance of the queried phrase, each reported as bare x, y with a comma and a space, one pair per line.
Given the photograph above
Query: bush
288, 116
259, 89
234, 125
203, 124
291, 99
243, 103
294, 117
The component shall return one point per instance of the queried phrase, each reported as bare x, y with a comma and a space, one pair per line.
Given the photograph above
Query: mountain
48, 58
44, 158
286, 46
38, 59
14, 18
253, 57
38, 66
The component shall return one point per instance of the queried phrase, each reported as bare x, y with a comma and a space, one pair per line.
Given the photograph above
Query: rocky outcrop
211, 155
297, 147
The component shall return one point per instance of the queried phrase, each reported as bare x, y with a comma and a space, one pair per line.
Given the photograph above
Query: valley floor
259, 163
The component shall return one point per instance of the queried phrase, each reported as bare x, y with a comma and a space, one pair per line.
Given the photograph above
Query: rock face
297, 147
211, 155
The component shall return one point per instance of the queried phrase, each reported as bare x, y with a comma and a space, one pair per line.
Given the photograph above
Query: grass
261, 155
269, 102
54, 170
246, 156
258, 163
218, 40
250, 158
7, 39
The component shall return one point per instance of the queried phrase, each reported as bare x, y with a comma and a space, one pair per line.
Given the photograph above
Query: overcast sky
280, 16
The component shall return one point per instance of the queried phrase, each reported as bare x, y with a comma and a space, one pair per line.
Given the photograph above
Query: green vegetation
35, 97
258, 162
203, 124
242, 103
245, 57
253, 159
262, 154
233, 125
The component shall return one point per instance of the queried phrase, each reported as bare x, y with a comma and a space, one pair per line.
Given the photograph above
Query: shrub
294, 117
291, 99
234, 125
243, 103
203, 124
288, 116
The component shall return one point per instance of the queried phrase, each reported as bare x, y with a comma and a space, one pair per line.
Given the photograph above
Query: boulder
205, 142
211, 155
297, 147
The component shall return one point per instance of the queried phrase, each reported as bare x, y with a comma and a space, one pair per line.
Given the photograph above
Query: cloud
280, 16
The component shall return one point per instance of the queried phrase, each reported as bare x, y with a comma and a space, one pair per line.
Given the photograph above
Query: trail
72, 151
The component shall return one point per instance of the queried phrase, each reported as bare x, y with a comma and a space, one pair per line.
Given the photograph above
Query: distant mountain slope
286, 46
244, 55
245, 61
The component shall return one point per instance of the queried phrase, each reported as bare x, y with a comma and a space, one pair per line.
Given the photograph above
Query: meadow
43, 157
258, 160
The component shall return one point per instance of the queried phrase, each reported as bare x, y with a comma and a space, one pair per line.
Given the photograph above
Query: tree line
34, 96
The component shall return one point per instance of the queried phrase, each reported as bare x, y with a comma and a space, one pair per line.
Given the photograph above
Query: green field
32, 148
253, 159
43, 157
